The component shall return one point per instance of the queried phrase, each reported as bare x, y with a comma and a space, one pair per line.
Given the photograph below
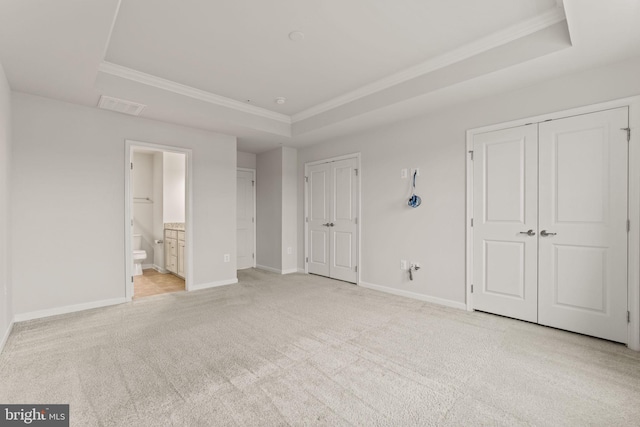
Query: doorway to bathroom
157, 219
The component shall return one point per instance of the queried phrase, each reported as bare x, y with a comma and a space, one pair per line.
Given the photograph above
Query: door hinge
628, 225
253, 219
356, 220
472, 222
628, 316
253, 183
356, 172
628, 130
472, 288
253, 256
307, 259
132, 166
356, 268
131, 222
471, 154
306, 219
132, 282
306, 179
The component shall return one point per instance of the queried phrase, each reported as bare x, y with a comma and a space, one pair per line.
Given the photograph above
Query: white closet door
505, 222
332, 214
319, 218
583, 208
245, 220
343, 220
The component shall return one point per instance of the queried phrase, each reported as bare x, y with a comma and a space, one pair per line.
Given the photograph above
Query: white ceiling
197, 62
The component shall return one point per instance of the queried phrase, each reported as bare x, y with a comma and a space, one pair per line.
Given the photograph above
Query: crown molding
509, 34
180, 89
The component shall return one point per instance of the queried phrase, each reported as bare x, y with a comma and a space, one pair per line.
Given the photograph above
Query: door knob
528, 232
545, 233
331, 224
328, 224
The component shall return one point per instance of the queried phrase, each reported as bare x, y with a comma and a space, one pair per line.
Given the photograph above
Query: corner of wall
6, 142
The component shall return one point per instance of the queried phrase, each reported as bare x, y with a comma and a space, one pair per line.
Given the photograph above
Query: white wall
158, 204
6, 311
68, 209
289, 209
276, 209
246, 160
434, 234
269, 209
142, 180
173, 184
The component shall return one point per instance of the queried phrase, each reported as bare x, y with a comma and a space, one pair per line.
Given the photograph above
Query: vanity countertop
179, 226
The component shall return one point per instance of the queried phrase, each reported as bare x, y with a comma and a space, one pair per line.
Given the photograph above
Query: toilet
139, 255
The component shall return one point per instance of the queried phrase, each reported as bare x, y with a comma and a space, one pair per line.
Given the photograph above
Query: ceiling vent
120, 105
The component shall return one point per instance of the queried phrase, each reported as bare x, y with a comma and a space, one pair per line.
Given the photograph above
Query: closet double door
332, 219
550, 223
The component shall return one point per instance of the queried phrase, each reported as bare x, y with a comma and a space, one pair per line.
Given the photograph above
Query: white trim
634, 216
356, 156
469, 229
68, 309
128, 212
159, 269
5, 338
509, 34
633, 281
276, 270
191, 92
113, 24
148, 266
213, 284
301, 270
255, 213
414, 295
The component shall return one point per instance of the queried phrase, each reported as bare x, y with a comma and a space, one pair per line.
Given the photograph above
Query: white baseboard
271, 269
276, 270
159, 269
148, 266
421, 297
6, 336
67, 309
301, 270
213, 284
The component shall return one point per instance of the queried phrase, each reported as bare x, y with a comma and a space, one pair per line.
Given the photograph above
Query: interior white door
245, 221
505, 222
319, 199
332, 218
583, 224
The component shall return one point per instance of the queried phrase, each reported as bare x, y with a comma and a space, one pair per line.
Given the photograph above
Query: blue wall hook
414, 200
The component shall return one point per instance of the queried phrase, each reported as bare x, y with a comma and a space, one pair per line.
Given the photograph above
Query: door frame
255, 218
130, 145
633, 242
358, 209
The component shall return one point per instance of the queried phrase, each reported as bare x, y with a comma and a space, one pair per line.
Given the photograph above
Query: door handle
545, 233
528, 232
329, 224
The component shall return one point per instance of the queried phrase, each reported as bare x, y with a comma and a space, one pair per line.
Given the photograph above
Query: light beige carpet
303, 350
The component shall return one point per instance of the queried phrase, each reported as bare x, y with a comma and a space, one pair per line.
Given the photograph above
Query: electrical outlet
403, 173
403, 264
289, 251
227, 258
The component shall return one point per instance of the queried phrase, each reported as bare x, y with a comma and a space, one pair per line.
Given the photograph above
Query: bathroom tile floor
154, 283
